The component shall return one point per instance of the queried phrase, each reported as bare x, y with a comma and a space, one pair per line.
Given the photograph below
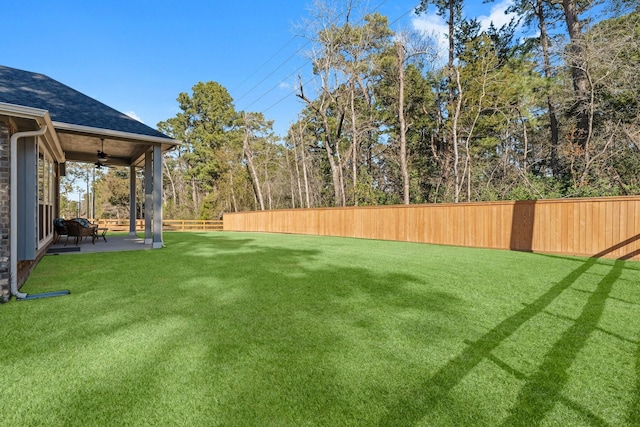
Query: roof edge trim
60, 126
22, 111
52, 140
42, 118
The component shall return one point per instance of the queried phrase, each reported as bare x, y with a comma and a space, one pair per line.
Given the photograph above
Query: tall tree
577, 65
359, 46
611, 50
326, 59
254, 127
204, 124
451, 10
544, 14
408, 46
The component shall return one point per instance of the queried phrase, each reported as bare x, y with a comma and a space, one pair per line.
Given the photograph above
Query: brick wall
5, 213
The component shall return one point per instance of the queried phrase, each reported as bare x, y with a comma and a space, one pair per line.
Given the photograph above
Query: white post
148, 197
157, 197
133, 205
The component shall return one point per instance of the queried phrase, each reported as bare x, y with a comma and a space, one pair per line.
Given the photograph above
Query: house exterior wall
23, 267
5, 210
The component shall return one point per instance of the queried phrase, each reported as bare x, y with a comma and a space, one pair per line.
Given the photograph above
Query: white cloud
497, 15
134, 116
433, 26
284, 85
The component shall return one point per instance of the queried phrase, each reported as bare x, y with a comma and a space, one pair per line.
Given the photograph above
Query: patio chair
78, 231
85, 223
60, 229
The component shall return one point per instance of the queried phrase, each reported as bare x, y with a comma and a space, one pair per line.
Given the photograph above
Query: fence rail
167, 224
191, 225
603, 227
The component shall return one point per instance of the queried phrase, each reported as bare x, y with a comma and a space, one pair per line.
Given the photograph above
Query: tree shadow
532, 404
542, 389
312, 312
301, 325
633, 418
522, 225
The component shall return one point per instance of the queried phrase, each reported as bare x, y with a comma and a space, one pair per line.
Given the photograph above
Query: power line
282, 99
276, 86
263, 64
404, 14
284, 62
271, 73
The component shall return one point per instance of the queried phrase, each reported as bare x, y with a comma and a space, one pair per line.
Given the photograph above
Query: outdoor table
101, 232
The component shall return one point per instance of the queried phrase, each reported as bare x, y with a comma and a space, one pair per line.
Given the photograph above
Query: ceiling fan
102, 157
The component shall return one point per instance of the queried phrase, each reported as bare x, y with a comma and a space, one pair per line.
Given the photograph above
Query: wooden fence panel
167, 224
606, 227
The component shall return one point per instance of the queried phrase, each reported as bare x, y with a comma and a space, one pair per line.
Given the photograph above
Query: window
46, 195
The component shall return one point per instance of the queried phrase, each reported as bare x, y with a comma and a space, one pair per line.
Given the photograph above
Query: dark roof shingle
65, 104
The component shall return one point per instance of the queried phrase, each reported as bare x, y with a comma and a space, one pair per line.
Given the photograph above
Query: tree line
385, 119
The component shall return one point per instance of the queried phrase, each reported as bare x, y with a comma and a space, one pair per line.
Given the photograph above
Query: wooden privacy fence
603, 227
192, 225
167, 224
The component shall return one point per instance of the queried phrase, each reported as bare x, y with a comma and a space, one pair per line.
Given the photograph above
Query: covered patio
105, 147
115, 243
44, 124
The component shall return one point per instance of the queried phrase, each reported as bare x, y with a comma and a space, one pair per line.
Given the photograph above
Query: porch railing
167, 224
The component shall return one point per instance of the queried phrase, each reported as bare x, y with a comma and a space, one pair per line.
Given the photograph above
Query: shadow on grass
233, 331
269, 333
633, 417
542, 390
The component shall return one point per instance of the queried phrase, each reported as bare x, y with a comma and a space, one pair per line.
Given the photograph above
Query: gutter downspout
14, 206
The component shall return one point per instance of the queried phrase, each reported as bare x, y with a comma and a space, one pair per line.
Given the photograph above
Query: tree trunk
233, 193
336, 175
295, 162
452, 72
553, 120
252, 170
454, 136
335, 170
194, 196
354, 146
305, 176
267, 182
400, 51
525, 137
173, 185
292, 180
578, 73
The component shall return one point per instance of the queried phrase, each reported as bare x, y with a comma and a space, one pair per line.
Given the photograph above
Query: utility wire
270, 74
311, 79
284, 62
279, 101
263, 64
279, 66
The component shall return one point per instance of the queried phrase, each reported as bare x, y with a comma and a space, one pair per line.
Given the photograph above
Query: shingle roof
64, 104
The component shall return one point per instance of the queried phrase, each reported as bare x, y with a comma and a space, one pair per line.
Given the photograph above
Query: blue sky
138, 55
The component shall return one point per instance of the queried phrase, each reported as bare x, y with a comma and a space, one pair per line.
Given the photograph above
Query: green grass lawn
282, 330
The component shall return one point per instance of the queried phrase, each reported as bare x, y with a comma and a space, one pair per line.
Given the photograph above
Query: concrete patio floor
114, 243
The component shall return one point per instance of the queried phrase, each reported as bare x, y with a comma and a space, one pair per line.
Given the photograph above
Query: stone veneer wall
5, 211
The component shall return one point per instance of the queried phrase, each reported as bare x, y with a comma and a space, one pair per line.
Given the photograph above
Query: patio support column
157, 197
148, 197
133, 205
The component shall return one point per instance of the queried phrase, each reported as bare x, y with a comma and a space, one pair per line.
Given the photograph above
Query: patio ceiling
81, 144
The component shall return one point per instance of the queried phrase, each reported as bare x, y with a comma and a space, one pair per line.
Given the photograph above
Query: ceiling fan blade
102, 156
